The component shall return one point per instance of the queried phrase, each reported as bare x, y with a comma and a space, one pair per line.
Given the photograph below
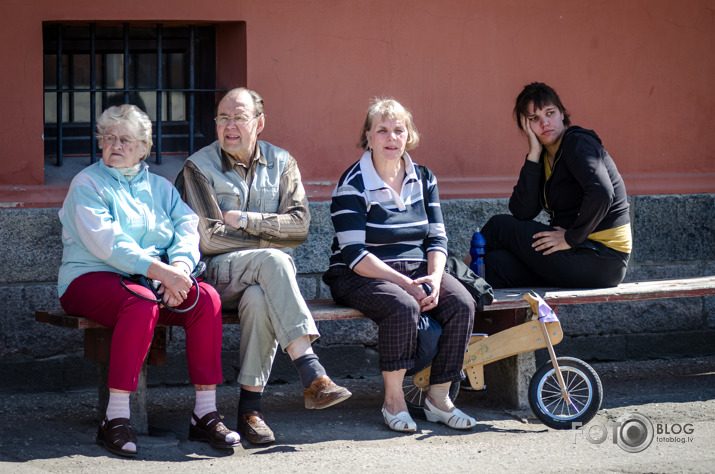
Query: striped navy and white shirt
370, 217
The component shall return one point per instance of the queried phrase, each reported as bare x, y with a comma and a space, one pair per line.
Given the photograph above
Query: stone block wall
674, 236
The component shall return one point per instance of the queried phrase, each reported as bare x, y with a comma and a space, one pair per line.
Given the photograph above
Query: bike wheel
415, 396
583, 386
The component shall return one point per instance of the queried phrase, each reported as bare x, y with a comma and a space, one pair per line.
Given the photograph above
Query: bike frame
526, 337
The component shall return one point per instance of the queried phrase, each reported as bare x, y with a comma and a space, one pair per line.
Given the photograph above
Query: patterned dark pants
397, 315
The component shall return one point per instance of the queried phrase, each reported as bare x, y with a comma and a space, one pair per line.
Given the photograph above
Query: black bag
480, 290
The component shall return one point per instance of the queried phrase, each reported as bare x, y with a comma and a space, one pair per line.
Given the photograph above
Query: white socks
205, 403
118, 406
439, 395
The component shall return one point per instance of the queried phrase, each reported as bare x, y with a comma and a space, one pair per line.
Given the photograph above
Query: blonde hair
131, 115
389, 108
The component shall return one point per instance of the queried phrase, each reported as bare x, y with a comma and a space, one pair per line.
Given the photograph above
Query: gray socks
309, 368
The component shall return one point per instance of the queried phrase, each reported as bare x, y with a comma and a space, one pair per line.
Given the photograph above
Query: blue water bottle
476, 251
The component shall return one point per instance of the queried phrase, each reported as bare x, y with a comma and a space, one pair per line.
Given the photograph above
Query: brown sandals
211, 429
114, 434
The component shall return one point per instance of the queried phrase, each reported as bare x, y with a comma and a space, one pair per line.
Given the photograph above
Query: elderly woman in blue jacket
120, 220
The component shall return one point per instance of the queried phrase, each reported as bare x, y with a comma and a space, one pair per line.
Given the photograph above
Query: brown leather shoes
254, 429
211, 429
115, 434
323, 393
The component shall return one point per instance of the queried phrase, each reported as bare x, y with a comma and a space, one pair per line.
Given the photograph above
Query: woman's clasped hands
175, 281
416, 289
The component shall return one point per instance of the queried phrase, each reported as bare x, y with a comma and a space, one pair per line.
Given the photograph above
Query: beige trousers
261, 285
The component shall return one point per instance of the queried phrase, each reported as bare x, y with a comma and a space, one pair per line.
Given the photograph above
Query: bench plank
633, 291
61, 319
510, 298
328, 310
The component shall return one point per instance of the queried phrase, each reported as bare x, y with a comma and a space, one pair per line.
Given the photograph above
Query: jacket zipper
553, 168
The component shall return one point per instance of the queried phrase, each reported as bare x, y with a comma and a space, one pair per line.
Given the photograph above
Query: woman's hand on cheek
535, 145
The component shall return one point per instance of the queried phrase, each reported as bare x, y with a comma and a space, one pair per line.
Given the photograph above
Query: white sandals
456, 419
401, 422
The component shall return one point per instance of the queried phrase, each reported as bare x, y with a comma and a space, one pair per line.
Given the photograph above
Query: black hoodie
584, 194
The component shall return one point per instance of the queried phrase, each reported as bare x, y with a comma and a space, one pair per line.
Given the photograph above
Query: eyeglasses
237, 119
111, 139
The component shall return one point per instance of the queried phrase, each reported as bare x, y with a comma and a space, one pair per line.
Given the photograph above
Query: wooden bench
507, 310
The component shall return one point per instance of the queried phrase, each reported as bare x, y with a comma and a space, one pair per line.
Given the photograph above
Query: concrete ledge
590, 348
667, 245
671, 345
664, 235
643, 346
662, 315
53, 374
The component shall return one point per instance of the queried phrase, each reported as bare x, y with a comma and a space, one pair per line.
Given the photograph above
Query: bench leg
137, 400
508, 380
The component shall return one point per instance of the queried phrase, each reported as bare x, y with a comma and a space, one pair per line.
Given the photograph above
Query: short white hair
131, 115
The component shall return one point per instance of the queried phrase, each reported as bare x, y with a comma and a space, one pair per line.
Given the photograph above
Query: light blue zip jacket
110, 224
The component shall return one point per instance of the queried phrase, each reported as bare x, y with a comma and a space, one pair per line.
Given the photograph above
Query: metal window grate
88, 68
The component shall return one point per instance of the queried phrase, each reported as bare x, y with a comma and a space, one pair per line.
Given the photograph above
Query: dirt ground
54, 432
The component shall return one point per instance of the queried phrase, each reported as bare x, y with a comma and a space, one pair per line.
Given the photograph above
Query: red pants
100, 297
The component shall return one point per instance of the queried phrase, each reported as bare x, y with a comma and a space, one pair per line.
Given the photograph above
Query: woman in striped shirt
388, 258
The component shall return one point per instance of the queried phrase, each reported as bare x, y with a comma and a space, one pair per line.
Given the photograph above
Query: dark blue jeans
511, 262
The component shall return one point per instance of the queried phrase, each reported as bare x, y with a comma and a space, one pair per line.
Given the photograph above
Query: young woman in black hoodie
571, 176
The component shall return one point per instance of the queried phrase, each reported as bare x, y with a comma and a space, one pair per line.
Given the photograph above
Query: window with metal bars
169, 72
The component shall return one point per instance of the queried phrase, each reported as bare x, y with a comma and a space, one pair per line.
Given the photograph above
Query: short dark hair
541, 95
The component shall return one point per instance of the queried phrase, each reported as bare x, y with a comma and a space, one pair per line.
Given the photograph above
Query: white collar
372, 180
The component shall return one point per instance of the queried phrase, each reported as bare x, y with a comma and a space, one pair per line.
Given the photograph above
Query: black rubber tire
584, 387
415, 397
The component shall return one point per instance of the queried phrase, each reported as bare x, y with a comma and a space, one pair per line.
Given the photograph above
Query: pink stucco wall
639, 72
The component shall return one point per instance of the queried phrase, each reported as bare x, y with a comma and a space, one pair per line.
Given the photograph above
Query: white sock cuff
118, 405
205, 402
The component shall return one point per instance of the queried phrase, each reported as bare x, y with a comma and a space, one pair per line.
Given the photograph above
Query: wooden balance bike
563, 391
